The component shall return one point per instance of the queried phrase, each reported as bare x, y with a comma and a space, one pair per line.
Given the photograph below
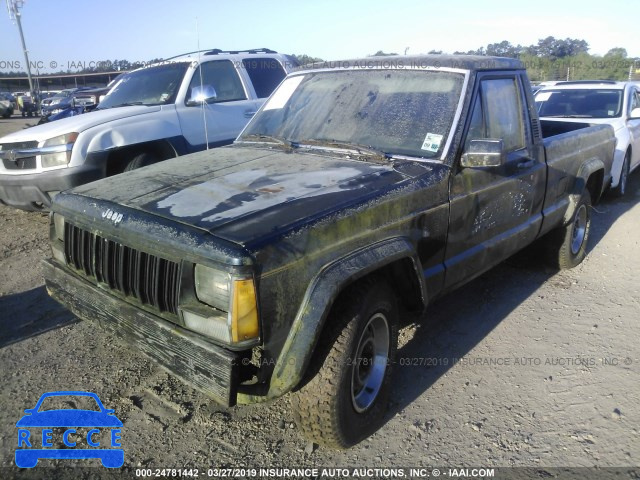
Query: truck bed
564, 142
551, 128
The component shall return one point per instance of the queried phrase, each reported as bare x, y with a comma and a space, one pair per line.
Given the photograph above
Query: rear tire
621, 189
140, 160
346, 399
567, 246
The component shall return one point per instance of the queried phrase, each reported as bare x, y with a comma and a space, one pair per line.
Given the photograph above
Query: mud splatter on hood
243, 194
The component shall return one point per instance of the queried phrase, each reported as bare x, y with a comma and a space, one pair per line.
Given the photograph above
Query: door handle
249, 113
526, 164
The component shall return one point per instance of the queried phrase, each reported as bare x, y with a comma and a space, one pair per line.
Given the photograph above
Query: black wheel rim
370, 363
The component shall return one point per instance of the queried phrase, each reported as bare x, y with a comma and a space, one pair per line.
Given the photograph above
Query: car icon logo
84, 432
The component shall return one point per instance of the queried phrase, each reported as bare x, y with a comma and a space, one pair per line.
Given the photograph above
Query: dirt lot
523, 367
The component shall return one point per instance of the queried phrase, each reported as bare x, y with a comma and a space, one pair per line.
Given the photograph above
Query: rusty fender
318, 300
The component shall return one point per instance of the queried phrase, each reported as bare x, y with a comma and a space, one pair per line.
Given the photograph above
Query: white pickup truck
182, 105
600, 102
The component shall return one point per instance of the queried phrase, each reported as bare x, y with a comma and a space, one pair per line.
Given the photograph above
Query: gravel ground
522, 367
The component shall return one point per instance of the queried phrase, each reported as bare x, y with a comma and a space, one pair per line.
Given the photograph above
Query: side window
497, 113
220, 82
635, 100
265, 74
503, 112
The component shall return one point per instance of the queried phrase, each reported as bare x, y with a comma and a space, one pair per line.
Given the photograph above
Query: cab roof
461, 62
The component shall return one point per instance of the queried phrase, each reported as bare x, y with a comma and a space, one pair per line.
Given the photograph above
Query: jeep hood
244, 194
77, 123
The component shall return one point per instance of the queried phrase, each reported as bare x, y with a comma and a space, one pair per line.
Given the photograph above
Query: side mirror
488, 152
635, 114
200, 95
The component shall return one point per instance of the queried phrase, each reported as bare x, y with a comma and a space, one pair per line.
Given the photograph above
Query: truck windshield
579, 103
157, 85
395, 112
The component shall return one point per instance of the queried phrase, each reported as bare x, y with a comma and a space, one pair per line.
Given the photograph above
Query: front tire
140, 160
568, 245
346, 399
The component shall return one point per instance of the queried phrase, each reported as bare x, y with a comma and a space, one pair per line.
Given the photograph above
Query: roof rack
593, 82
217, 51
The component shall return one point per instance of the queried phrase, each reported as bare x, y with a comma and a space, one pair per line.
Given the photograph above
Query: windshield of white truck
579, 103
157, 85
390, 112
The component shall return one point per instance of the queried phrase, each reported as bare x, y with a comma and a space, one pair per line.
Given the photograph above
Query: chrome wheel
370, 363
579, 229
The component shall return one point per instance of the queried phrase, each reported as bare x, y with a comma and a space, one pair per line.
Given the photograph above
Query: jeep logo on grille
115, 217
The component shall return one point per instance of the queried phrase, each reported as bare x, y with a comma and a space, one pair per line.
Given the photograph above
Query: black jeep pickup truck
362, 190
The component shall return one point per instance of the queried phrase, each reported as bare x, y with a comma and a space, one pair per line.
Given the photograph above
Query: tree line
560, 59
549, 59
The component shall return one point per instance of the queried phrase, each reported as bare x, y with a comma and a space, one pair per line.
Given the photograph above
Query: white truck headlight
235, 298
55, 159
56, 151
66, 139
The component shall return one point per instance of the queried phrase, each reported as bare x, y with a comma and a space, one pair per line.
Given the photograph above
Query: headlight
61, 147
235, 298
213, 287
55, 159
66, 139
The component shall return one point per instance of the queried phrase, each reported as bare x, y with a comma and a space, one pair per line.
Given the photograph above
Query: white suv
182, 105
600, 101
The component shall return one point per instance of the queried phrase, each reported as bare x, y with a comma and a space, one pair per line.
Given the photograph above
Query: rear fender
586, 170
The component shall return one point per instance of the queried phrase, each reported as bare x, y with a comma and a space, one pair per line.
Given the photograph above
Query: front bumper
207, 367
35, 190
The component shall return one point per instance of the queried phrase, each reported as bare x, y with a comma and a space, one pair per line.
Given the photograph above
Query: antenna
204, 103
14, 7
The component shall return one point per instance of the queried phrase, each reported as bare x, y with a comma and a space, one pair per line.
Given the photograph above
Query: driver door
495, 210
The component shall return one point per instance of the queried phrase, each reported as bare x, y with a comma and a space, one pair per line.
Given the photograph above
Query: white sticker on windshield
543, 96
282, 95
432, 142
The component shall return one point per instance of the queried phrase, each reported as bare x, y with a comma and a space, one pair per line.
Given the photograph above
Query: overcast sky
62, 33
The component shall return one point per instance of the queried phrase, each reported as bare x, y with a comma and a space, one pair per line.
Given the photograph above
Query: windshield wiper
366, 150
262, 138
125, 104
568, 116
